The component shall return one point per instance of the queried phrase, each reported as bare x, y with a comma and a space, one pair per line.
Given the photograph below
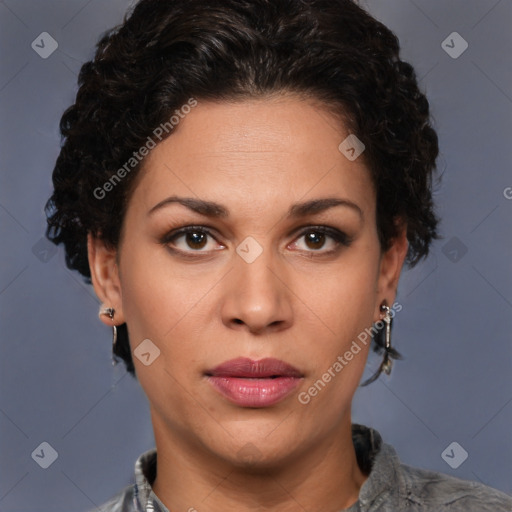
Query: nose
258, 297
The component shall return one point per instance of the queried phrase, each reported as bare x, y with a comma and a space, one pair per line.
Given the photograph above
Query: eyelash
339, 237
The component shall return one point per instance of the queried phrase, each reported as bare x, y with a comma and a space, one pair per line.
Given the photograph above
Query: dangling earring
383, 342
387, 363
110, 312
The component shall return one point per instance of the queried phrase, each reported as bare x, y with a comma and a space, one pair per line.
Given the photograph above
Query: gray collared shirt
390, 487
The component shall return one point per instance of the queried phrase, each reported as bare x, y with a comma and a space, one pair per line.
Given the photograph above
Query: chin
255, 452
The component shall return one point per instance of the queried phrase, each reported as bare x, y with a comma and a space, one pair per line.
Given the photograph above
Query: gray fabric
391, 486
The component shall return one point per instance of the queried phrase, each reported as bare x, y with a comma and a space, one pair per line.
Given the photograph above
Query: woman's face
283, 262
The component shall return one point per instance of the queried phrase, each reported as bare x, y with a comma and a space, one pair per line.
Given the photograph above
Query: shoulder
430, 490
120, 502
396, 487
130, 498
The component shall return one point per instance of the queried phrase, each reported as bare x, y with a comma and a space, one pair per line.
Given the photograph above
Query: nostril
238, 321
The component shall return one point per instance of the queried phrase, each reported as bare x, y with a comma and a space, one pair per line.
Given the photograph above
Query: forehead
255, 153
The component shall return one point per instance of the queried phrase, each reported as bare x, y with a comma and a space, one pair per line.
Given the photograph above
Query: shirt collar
376, 459
384, 483
145, 473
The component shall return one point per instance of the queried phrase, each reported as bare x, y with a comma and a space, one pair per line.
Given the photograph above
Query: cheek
165, 305
341, 298
153, 299
159, 306
342, 303
338, 356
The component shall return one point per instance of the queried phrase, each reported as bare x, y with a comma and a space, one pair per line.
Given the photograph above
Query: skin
296, 302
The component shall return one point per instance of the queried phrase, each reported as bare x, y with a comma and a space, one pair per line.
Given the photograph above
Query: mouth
249, 383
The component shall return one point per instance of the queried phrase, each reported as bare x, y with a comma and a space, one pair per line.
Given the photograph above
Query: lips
250, 383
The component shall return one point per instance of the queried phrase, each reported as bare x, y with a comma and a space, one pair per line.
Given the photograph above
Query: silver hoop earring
110, 312
383, 343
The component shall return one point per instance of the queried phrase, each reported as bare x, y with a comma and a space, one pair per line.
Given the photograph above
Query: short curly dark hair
168, 51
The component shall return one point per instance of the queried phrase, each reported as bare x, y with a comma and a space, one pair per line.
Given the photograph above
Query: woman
242, 183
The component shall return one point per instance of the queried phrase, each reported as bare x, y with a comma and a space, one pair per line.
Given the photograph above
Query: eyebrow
211, 209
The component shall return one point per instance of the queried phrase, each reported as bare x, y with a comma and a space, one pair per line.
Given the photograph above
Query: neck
324, 477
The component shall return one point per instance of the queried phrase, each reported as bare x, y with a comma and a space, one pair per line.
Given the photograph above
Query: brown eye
314, 240
196, 240
322, 240
191, 240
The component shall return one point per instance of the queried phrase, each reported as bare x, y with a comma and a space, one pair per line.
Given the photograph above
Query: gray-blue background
57, 384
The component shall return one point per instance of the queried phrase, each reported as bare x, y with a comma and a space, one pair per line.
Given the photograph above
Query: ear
391, 264
105, 278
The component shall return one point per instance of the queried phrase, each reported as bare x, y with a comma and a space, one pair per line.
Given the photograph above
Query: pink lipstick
250, 383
